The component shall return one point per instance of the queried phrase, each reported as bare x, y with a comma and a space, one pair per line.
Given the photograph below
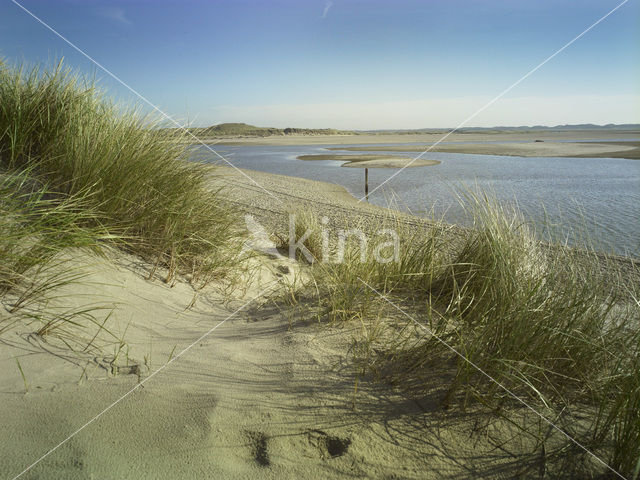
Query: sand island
373, 161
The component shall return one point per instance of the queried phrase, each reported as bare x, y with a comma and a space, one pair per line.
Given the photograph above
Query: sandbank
577, 136
373, 161
532, 149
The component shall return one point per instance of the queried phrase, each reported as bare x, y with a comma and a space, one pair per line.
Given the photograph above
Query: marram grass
543, 322
79, 173
36, 226
133, 175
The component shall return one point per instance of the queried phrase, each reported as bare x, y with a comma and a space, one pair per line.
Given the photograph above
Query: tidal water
594, 201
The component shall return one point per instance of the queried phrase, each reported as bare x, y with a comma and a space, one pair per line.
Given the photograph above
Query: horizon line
418, 129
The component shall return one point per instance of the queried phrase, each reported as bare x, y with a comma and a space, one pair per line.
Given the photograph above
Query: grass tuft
132, 174
558, 328
78, 172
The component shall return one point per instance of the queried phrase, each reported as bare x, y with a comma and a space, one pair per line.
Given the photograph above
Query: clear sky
361, 64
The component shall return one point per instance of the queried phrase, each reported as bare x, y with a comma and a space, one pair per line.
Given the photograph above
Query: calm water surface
577, 198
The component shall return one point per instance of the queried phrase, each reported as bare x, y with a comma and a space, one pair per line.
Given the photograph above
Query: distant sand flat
532, 149
373, 161
601, 135
574, 143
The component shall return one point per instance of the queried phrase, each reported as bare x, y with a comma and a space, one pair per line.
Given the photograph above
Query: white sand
268, 394
264, 395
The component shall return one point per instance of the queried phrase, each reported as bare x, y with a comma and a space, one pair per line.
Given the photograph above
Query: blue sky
347, 63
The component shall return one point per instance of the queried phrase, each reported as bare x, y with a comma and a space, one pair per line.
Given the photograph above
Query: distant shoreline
630, 150
584, 144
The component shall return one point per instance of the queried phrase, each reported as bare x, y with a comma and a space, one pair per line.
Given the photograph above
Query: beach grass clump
621, 420
525, 318
37, 225
390, 258
306, 232
498, 262
538, 322
41, 233
618, 415
542, 325
132, 173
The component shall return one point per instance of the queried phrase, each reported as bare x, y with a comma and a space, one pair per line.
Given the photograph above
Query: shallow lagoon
596, 198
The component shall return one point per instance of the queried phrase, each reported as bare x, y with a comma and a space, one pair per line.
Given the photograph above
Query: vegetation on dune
539, 326
36, 226
494, 312
244, 130
58, 127
77, 172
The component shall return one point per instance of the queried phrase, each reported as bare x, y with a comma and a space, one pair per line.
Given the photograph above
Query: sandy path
260, 397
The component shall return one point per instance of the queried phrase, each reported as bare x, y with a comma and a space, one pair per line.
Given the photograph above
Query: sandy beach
264, 395
271, 198
497, 136
534, 149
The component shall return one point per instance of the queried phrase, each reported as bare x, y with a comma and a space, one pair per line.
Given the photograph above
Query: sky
349, 64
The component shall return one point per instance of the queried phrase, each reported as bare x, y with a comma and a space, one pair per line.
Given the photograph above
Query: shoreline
471, 137
337, 204
533, 149
262, 396
584, 144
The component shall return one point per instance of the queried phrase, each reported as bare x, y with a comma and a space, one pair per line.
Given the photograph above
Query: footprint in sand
258, 443
329, 446
109, 364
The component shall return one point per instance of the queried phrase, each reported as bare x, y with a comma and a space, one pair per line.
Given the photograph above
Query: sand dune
268, 394
258, 398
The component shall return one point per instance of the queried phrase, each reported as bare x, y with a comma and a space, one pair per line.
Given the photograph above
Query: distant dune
245, 130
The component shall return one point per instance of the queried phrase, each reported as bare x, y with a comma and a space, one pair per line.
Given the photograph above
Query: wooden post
366, 183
